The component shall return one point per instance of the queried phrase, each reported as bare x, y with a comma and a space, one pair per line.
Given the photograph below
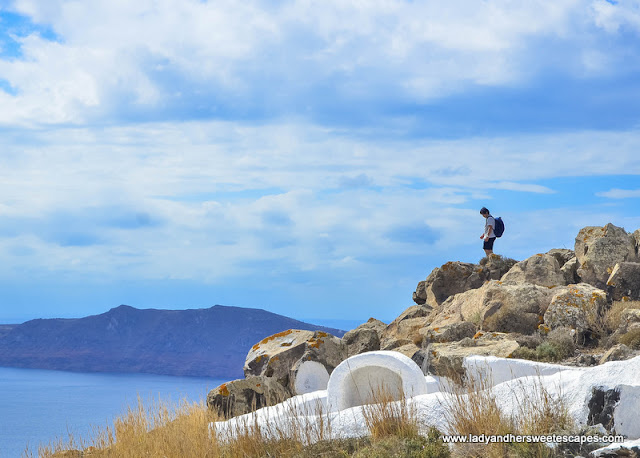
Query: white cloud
119, 56
611, 16
213, 200
620, 193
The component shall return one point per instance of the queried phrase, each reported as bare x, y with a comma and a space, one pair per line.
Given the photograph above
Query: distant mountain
199, 342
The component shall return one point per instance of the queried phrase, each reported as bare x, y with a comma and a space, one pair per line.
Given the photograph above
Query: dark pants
488, 244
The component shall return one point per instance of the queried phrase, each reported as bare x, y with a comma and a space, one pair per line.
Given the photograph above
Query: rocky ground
576, 307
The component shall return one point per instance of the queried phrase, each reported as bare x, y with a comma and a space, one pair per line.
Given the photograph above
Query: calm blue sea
40, 406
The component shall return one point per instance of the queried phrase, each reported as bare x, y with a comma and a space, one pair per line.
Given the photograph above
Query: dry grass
387, 416
613, 315
394, 430
631, 339
155, 430
474, 409
160, 430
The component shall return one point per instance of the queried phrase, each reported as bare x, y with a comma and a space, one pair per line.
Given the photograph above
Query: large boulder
447, 280
570, 271
365, 337
457, 277
579, 307
246, 395
276, 355
599, 249
495, 266
540, 269
446, 359
562, 255
618, 352
404, 329
624, 282
497, 306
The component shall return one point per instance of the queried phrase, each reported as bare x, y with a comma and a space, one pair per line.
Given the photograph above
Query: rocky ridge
551, 306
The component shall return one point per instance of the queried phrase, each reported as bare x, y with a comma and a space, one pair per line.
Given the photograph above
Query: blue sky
313, 158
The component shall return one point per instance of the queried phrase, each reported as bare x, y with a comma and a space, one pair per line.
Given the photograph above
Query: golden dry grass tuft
612, 318
387, 416
158, 429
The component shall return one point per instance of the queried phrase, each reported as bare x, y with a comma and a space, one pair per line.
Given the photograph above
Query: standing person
489, 235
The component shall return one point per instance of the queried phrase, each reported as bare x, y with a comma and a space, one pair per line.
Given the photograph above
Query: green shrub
563, 342
413, 447
558, 346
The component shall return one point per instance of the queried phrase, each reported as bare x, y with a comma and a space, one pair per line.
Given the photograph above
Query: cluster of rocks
493, 308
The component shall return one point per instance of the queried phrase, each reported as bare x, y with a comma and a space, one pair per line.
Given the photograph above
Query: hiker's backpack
499, 229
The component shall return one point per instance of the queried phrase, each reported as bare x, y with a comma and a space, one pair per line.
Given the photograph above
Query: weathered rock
495, 266
408, 349
457, 277
570, 272
628, 318
599, 249
577, 307
616, 353
562, 255
602, 406
404, 329
586, 359
540, 269
623, 450
624, 282
445, 359
497, 307
448, 333
277, 354
420, 294
447, 280
365, 337
246, 395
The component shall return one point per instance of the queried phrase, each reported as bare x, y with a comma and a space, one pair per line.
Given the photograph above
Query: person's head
484, 211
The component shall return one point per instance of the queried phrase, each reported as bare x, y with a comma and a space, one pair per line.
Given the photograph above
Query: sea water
38, 407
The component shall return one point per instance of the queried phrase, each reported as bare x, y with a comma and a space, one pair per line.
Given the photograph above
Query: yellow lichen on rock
273, 337
224, 391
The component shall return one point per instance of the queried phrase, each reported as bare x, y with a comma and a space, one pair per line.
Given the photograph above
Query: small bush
529, 341
631, 339
613, 315
558, 346
526, 353
414, 447
562, 340
511, 320
498, 263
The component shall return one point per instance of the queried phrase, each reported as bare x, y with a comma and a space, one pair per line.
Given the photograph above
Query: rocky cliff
579, 307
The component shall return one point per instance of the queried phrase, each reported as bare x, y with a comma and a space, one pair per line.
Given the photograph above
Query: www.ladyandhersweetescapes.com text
519, 438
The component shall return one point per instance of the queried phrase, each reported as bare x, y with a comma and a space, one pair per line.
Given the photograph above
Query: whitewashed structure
339, 409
